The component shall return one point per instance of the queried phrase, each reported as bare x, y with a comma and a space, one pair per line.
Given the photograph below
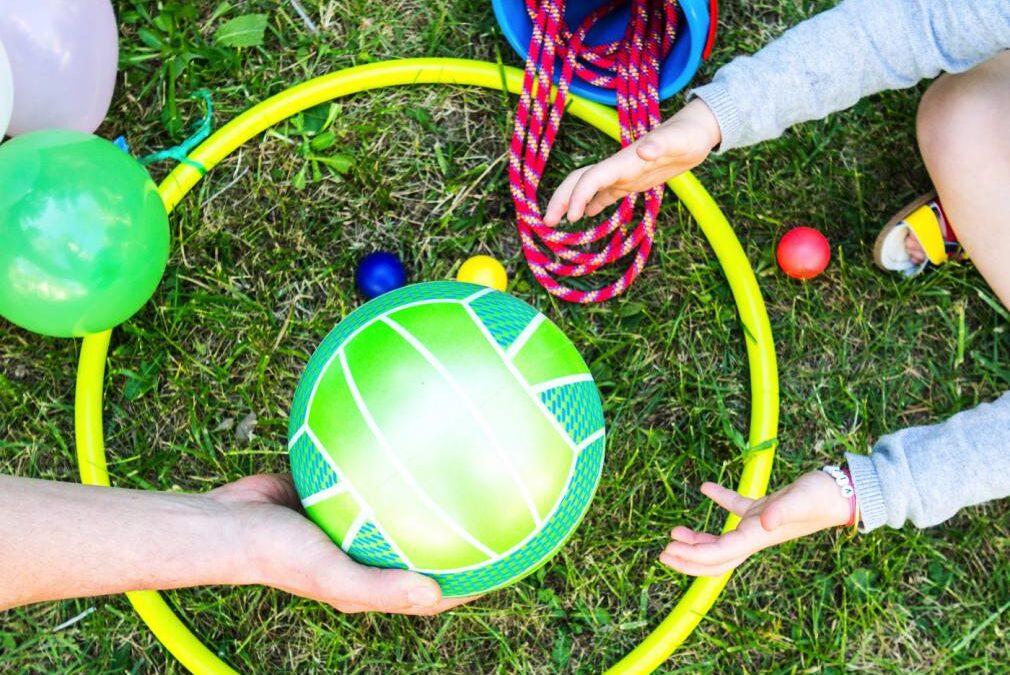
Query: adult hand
812, 503
680, 144
77, 540
289, 552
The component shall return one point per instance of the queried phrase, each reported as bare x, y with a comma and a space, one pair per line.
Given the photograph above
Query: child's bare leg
964, 136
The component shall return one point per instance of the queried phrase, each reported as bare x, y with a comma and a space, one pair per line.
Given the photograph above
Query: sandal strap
950, 236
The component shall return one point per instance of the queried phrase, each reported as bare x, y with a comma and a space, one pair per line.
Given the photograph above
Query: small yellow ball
483, 270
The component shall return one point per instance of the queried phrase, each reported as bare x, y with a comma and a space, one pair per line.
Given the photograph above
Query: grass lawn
262, 267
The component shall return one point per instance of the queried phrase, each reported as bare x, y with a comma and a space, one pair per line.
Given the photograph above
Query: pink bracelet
843, 478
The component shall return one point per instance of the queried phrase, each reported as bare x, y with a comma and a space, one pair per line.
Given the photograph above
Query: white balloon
6, 91
63, 56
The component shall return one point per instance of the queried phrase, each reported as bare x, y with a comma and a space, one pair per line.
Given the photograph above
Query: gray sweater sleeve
927, 474
857, 48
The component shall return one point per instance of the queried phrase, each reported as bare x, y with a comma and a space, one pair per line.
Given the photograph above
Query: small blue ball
378, 273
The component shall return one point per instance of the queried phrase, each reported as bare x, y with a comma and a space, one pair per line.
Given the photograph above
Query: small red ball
803, 253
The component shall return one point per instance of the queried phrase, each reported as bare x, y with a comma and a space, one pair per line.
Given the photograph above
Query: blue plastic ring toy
677, 70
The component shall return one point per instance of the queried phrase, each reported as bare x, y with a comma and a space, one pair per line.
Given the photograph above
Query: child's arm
821, 65
63, 540
858, 48
924, 475
927, 474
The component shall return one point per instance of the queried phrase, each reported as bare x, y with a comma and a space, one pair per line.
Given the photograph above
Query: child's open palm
812, 503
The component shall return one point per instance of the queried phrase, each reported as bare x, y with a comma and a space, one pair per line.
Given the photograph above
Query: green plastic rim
702, 593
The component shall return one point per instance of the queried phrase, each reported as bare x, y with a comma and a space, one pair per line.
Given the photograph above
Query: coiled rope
629, 65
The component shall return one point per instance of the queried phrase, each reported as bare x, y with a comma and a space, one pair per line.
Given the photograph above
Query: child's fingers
774, 514
728, 499
602, 200
585, 189
562, 196
699, 569
705, 554
728, 547
689, 536
708, 553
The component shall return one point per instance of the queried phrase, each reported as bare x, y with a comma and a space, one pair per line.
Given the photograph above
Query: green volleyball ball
449, 429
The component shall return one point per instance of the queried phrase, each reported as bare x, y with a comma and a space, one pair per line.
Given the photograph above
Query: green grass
262, 266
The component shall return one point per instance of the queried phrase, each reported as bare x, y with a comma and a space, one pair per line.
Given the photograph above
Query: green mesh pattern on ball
542, 546
310, 470
299, 406
435, 290
371, 548
577, 407
504, 316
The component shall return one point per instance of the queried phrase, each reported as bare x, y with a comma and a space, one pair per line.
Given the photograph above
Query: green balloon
83, 234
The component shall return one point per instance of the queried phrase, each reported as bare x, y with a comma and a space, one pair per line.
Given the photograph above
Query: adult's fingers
443, 605
558, 204
728, 499
359, 588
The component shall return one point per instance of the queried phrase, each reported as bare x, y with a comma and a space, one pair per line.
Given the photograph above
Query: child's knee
964, 114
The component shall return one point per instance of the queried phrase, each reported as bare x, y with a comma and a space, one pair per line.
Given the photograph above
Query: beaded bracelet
844, 481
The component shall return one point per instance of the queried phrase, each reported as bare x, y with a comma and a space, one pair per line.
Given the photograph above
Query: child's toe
914, 249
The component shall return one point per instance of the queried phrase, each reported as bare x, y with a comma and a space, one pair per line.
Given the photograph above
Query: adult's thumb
387, 590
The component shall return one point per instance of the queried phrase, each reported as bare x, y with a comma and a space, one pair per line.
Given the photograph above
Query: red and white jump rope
631, 66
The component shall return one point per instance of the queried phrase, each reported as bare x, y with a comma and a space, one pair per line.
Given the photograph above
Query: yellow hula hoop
701, 595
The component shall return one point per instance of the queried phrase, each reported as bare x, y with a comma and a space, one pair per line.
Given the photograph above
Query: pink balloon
63, 58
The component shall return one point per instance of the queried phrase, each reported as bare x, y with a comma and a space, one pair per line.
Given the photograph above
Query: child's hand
812, 503
680, 144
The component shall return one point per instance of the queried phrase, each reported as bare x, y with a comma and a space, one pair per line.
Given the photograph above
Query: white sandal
925, 220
